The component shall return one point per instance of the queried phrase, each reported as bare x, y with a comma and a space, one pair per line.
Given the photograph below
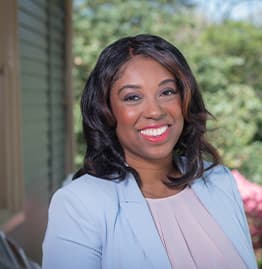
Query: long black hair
104, 155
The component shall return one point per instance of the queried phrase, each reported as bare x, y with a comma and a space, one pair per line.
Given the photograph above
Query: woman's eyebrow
129, 86
134, 86
169, 80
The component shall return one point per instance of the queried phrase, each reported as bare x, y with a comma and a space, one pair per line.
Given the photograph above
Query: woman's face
147, 107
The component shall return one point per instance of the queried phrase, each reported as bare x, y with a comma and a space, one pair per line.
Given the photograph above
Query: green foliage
225, 58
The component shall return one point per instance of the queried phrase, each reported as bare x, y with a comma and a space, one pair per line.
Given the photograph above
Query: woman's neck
151, 171
152, 175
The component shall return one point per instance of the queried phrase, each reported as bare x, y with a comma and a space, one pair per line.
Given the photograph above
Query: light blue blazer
95, 223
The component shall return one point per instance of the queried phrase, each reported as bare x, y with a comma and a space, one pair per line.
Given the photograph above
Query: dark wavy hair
104, 155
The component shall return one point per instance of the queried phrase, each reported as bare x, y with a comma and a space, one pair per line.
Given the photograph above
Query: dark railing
12, 256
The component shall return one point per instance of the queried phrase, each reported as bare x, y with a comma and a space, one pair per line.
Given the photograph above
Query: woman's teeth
154, 131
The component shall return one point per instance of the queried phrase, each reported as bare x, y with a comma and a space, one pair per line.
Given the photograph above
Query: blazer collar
141, 221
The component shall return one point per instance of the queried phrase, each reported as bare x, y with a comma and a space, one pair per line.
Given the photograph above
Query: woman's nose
153, 109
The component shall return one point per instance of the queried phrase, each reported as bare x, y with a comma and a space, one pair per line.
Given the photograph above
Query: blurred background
48, 48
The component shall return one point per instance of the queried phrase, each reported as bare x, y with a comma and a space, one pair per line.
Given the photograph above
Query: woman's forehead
140, 63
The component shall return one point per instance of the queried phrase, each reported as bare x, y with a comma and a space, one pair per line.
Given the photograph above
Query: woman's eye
168, 92
132, 98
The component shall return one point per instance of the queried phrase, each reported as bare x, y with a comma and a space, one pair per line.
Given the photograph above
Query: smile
154, 132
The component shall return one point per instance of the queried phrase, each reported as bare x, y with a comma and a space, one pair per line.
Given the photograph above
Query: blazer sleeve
239, 203
73, 235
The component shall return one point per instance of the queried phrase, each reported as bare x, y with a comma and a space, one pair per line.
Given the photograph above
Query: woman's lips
155, 134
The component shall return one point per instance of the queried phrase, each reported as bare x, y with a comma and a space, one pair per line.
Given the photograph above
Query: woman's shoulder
217, 189
91, 185
87, 192
218, 176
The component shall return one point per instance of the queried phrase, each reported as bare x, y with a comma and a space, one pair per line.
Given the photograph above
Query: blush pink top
191, 237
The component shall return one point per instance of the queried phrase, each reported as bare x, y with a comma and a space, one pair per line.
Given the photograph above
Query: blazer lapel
141, 221
213, 202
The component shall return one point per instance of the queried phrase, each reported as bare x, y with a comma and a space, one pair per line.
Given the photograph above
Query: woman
145, 197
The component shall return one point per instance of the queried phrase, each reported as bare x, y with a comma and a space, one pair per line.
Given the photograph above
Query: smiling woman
114, 72
147, 108
146, 197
